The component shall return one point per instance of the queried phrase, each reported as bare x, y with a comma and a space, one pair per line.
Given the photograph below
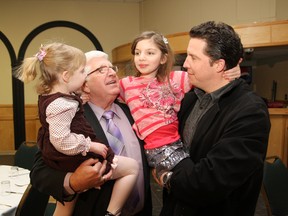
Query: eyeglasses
104, 70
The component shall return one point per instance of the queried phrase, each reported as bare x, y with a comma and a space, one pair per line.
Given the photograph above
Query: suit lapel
187, 105
126, 110
95, 124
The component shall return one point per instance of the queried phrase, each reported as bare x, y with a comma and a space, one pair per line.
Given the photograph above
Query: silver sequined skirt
166, 157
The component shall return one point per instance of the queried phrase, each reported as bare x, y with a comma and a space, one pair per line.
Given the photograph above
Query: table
19, 180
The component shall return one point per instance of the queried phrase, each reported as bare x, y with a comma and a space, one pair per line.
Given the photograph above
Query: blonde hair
162, 43
51, 60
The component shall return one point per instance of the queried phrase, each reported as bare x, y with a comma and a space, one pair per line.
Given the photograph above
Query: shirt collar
216, 94
99, 111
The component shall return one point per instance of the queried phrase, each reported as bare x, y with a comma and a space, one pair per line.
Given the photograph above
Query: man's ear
85, 88
220, 65
65, 76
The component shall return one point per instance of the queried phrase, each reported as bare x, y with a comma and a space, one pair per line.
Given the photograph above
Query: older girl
154, 96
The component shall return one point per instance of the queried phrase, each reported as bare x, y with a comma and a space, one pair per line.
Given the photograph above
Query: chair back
275, 181
32, 202
24, 156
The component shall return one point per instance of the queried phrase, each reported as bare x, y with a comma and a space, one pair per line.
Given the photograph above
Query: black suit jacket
92, 202
224, 172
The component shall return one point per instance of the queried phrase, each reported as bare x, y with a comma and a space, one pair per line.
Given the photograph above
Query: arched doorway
18, 87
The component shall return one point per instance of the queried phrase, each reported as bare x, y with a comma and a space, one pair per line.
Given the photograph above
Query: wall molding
31, 121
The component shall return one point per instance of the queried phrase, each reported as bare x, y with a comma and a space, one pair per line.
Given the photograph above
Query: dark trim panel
18, 97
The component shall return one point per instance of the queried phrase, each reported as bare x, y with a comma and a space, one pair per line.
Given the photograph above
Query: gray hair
95, 54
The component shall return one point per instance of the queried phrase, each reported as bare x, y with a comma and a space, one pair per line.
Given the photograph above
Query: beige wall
281, 9
170, 16
117, 23
112, 24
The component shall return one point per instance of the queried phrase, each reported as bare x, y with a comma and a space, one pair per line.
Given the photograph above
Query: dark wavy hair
222, 42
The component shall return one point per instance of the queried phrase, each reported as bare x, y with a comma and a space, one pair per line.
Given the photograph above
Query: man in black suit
224, 126
102, 86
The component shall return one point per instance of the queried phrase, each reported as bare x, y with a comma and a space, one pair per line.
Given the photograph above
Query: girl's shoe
109, 214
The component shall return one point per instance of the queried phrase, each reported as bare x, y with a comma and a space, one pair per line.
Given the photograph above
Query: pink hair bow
40, 55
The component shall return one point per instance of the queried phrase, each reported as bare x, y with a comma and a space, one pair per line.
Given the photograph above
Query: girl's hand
233, 73
99, 148
158, 181
85, 97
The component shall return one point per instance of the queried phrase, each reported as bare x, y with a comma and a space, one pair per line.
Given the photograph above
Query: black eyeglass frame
104, 69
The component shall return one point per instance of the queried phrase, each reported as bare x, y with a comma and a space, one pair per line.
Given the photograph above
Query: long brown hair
162, 43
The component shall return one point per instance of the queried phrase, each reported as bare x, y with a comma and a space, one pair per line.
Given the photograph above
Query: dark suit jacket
93, 201
224, 172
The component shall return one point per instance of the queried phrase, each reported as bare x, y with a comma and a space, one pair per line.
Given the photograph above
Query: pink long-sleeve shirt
154, 106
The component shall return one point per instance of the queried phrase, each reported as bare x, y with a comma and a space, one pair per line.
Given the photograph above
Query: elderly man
102, 86
225, 127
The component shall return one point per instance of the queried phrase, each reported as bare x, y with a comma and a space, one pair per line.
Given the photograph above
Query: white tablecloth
19, 180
